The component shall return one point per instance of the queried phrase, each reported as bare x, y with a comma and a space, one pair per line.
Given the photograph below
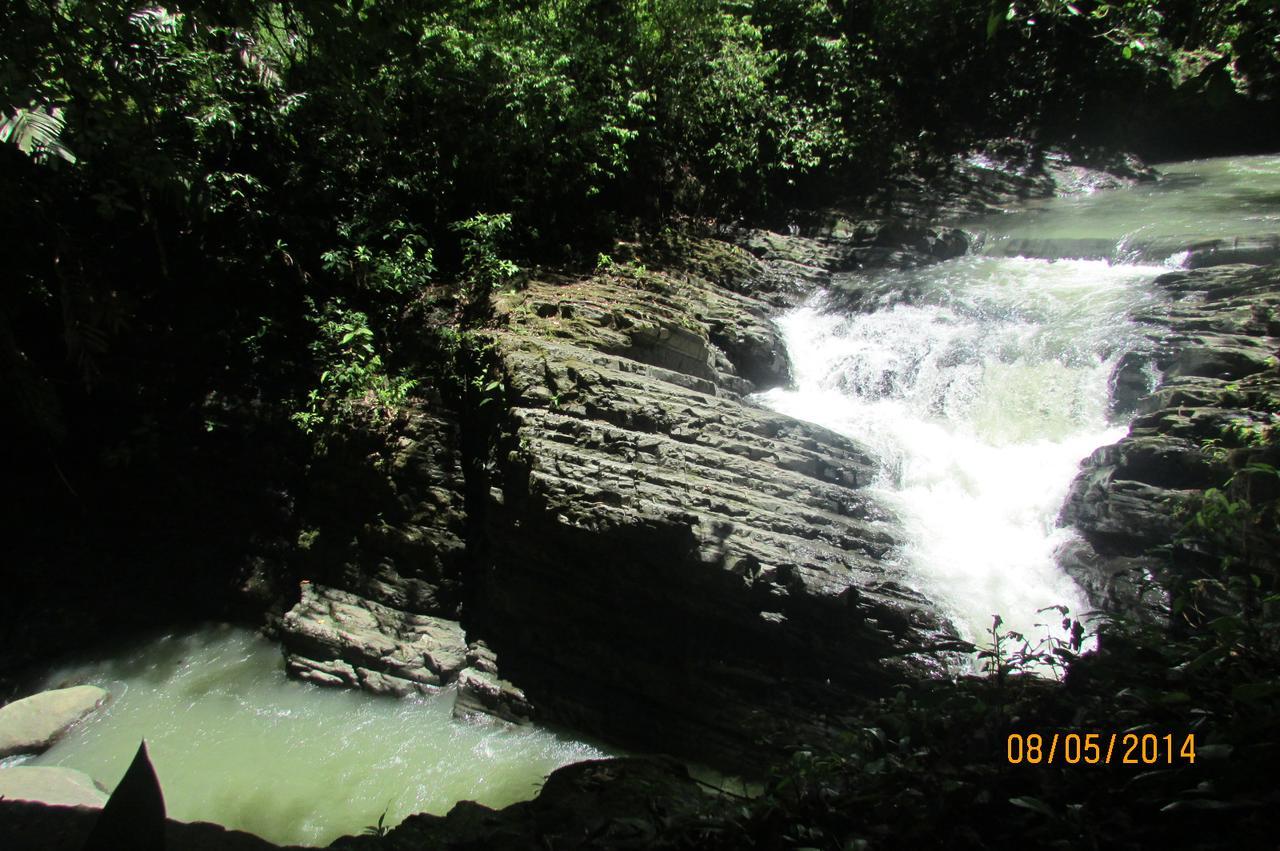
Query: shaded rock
617, 803
482, 691
999, 173
37, 827
387, 522
64, 787
668, 565
1131, 381
33, 724
334, 637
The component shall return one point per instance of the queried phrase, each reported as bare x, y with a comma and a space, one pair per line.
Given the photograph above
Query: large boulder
663, 561
33, 724
63, 787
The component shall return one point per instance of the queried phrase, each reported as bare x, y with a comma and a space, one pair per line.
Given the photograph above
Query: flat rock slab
333, 637
33, 724
63, 787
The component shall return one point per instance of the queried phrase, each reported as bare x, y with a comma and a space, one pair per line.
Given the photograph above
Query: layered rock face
636, 549
1215, 342
379, 607
665, 560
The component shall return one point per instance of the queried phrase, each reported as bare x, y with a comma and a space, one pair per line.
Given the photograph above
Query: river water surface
235, 742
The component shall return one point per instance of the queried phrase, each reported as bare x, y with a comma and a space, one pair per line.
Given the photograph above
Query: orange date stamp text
1060, 748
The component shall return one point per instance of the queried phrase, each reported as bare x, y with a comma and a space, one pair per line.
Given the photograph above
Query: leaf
1197, 804
134, 815
993, 25
1253, 692
36, 131
1034, 804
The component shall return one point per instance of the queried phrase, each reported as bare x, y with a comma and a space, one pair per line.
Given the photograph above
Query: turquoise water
1195, 202
236, 742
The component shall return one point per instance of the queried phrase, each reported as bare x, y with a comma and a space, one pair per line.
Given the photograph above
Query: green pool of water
236, 742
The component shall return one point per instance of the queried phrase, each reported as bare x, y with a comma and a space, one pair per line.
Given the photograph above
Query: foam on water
236, 742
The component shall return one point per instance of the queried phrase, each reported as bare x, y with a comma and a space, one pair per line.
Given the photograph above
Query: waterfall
979, 393
980, 383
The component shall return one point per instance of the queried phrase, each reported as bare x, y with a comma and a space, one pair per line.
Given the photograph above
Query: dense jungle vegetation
248, 200
237, 233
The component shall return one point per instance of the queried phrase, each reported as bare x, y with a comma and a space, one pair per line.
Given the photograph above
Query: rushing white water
236, 742
981, 383
979, 396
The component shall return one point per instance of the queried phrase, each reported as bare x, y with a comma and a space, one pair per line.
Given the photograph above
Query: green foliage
1012, 653
197, 183
354, 383
35, 131
483, 270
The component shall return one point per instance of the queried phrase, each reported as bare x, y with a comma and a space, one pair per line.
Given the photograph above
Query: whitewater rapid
979, 384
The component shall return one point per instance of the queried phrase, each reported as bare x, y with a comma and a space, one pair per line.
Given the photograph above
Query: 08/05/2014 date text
1100, 749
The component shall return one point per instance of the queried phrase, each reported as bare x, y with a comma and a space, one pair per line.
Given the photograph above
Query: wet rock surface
33, 724
1215, 342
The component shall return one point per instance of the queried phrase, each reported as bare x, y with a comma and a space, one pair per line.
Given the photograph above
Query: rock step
1216, 344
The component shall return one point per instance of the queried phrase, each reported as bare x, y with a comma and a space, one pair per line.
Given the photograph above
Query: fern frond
36, 131
156, 20
260, 67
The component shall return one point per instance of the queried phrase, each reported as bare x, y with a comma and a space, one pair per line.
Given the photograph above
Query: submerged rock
33, 724
63, 787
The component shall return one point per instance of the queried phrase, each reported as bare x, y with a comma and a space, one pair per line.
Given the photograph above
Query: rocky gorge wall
1214, 343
